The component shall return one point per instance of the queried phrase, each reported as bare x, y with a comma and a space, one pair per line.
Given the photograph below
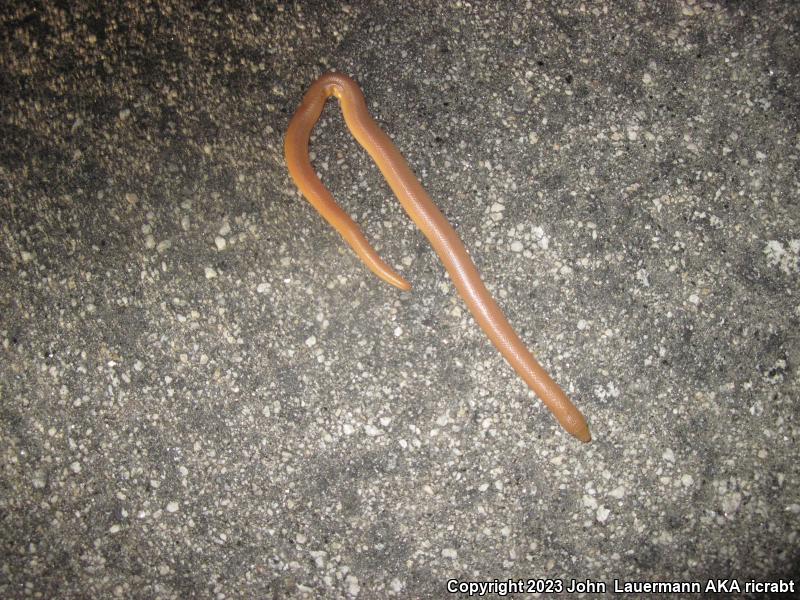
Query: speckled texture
204, 394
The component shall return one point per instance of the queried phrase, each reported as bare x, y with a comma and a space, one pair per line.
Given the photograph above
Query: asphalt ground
203, 393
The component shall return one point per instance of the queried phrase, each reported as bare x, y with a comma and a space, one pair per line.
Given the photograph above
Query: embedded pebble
371, 430
602, 514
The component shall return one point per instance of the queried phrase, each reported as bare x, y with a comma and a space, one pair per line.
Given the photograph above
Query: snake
427, 217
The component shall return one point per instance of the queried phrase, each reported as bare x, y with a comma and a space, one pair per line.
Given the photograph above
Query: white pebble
516, 246
731, 502
352, 585
220, 242
602, 514
172, 507
449, 553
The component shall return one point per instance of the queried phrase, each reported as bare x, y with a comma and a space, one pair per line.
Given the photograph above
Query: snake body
427, 217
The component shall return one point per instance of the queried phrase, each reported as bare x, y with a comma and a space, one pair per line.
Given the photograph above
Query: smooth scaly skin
429, 219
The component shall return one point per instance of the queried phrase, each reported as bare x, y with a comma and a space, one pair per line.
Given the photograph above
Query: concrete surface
204, 394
